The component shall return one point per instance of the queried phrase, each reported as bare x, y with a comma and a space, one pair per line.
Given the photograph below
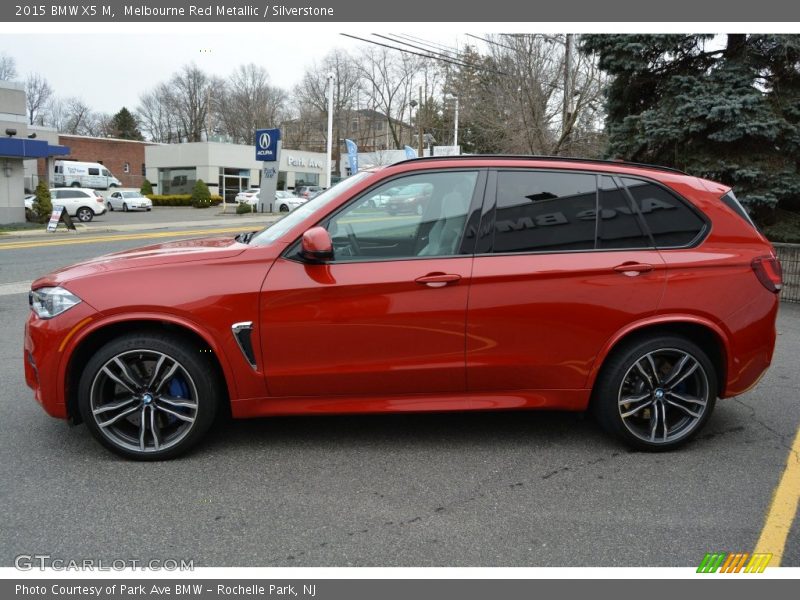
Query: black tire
84, 214
665, 409
190, 391
284, 208
110, 207
124, 207
75, 184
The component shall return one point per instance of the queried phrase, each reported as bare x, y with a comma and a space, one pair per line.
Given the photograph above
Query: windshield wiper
245, 238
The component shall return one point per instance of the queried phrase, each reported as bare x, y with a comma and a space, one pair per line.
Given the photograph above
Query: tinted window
545, 212
671, 222
619, 225
94, 171
731, 202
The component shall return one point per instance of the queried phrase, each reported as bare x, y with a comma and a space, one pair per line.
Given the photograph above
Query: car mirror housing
316, 245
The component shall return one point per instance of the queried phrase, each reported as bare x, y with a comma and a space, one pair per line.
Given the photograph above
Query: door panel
538, 321
365, 328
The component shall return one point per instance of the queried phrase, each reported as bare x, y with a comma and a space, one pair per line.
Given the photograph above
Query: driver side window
416, 216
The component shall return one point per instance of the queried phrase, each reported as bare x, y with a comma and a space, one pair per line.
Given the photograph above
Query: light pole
413, 104
331, 77
455, 125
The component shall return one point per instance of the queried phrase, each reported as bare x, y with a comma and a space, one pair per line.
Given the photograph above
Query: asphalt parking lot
479, 489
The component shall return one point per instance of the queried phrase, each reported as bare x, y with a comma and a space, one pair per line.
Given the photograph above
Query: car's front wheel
656, 394
284, 208
84, 214
148, 396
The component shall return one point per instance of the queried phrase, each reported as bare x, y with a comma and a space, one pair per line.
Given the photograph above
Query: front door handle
436, 280
632, 269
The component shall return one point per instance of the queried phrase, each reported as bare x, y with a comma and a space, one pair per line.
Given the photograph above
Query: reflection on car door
552, 282
385, 317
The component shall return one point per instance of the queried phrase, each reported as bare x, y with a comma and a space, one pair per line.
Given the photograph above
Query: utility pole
567, 85
331, 78
419, 123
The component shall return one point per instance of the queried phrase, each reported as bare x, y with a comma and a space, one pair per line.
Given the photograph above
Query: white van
71, 173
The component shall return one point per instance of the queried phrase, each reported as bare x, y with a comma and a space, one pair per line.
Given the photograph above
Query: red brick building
124, 158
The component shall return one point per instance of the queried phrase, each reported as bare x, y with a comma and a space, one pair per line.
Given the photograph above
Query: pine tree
201, 197
42, 205
125, 126
725, 112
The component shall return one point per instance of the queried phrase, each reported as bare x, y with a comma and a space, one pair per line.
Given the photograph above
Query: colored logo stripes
734, 562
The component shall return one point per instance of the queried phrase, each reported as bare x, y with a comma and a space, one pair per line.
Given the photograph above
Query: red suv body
640, 293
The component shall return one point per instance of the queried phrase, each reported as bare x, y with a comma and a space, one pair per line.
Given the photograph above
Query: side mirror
316, 245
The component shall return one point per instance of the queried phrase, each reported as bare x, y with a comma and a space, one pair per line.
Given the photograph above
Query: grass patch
9, 227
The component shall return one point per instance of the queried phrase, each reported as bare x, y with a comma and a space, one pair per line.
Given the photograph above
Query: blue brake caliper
177, 389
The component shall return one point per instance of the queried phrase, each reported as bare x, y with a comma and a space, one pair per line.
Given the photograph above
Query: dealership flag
410, 152
352, 156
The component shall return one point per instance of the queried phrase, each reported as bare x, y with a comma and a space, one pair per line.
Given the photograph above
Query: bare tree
37, 95
190, 98
388, 79
311, 94
8, 67
159, 120
248, 102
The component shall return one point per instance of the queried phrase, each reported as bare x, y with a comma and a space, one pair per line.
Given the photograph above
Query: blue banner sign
267, 144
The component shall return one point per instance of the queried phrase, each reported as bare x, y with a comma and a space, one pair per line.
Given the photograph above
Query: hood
212, 248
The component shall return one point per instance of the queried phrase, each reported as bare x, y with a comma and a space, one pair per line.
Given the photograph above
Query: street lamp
331, 77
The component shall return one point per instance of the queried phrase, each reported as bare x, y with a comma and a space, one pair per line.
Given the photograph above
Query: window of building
144, 170
178, 180
126, 168
540, 211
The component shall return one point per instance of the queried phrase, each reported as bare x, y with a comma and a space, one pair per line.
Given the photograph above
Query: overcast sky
110, 71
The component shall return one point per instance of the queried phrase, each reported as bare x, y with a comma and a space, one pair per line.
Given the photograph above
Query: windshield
131, 195
318, 203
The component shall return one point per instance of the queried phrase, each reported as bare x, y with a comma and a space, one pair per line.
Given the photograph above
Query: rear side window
731, 202
619, 226
545, 212
670, 221
94, 171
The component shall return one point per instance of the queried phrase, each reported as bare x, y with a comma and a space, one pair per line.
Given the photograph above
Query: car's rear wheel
656, 394
75, 184
84, 214
148, 396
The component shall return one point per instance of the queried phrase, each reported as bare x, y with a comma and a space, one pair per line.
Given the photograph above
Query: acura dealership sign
267, 144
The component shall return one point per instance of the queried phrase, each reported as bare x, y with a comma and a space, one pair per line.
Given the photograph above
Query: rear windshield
731, 202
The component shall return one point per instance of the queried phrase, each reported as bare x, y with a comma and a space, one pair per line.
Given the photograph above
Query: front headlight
47, 302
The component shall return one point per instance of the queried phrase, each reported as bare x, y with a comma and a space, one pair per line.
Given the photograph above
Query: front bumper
47, 349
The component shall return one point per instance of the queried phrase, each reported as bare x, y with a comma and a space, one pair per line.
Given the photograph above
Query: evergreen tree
42, 205
201, 197
125, 126
726, 111
147, 188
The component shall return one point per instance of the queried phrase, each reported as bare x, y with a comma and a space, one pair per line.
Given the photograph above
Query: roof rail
574, 159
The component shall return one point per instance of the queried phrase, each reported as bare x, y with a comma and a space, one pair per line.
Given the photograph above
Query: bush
178, 200
147, 188
201, 197
42, 206
244, 208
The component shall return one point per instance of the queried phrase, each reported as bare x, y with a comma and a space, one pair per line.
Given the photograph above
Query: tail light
769, 273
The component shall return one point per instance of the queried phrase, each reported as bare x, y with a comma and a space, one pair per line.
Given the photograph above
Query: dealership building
227, 168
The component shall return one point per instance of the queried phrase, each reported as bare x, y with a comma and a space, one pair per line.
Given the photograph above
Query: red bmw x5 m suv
642, 294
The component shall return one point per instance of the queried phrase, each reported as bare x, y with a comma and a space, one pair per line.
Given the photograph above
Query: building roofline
107, 139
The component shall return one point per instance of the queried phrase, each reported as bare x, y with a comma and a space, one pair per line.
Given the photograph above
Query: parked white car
286, 201
247, 196
82, 203
126, 201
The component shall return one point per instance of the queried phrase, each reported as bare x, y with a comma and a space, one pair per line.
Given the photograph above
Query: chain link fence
789, 255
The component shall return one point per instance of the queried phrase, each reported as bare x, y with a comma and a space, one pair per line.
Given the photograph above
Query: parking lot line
783, 509
37, 243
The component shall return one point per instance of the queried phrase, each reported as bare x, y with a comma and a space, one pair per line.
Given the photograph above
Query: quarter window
669, 220
540, 211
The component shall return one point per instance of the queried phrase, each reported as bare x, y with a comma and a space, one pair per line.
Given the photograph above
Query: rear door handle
437, 280
633, 268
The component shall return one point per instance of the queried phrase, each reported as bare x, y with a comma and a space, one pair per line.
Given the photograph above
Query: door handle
632, 269
436, 280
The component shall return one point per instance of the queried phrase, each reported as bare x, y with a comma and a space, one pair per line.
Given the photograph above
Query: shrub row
179, 200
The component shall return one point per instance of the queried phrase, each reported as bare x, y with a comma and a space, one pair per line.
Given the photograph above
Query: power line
447, 60
448, 49
396, 41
